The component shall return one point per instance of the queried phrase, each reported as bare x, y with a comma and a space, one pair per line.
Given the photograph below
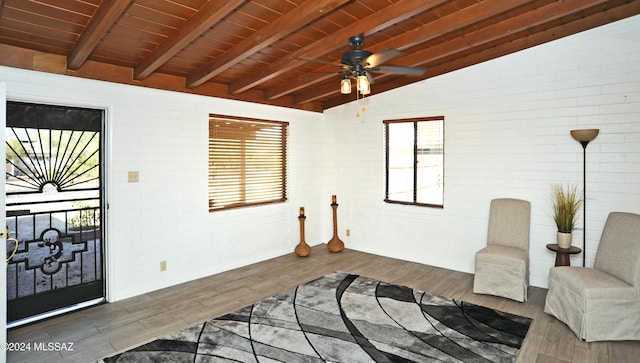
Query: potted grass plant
566, 203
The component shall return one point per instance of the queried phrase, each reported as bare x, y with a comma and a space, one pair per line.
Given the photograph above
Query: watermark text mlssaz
37, 346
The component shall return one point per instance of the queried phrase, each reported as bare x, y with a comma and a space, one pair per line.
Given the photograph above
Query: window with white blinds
247, 162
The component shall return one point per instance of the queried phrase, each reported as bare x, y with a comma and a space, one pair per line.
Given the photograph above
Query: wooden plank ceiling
258, 50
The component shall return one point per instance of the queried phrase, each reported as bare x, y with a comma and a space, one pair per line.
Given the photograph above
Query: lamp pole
584, 137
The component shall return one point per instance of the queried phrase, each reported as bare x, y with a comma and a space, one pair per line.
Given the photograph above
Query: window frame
415, 122
278, 194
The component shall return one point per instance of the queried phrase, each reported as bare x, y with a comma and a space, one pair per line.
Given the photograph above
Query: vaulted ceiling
279, 52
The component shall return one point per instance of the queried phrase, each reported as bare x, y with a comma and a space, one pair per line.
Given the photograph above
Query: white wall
507, 126
163, 135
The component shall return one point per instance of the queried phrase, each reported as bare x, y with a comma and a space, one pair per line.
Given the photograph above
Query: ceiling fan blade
413, 71
369, 77
323, 62
378, 58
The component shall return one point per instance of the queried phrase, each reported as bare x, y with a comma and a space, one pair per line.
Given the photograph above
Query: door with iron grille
54, 207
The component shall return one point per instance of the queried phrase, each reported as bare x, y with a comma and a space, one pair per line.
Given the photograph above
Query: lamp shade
345, 86
363, 85
584, 135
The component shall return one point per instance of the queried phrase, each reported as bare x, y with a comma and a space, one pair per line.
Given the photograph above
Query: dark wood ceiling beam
395, 13
458, 20
204, 19
445, 25
506, 29
106, 15
614, 11
22, 58
123, 75
321, 91
308, 12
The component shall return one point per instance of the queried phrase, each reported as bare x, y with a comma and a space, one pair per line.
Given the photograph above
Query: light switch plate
133, 177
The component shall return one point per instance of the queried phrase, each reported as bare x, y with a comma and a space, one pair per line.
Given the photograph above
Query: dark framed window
247, 162
414, 161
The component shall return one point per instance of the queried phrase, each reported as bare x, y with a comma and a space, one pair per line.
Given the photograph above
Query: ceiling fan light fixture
363, 85
345, 86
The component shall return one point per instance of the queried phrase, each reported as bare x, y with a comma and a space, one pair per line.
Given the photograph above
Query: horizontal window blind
247, 162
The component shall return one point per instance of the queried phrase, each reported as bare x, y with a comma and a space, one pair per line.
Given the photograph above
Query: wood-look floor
104, 330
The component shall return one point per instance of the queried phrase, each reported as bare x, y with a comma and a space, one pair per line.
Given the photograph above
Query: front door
54, 208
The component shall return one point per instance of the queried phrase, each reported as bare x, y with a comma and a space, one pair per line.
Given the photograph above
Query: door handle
15, 248
4, 233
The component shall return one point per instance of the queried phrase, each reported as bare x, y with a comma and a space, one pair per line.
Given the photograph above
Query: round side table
563, 254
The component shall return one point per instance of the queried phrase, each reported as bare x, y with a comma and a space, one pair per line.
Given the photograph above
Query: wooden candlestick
335, 245
302, 249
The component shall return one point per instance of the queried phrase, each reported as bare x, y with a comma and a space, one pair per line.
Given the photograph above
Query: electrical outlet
133, 177
163, 265
348, 232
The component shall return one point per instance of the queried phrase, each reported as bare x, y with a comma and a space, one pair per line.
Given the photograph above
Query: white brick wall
507, 125
507, 134
164, 216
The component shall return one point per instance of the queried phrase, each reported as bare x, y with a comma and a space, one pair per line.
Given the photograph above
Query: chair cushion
592, 284
502, 255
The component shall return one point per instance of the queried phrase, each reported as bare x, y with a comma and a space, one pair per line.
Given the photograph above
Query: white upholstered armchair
502, 267
602, 303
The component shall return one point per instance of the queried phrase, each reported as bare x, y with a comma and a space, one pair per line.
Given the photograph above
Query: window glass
415, 161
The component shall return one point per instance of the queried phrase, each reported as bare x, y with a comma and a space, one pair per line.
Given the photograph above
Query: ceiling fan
358, 64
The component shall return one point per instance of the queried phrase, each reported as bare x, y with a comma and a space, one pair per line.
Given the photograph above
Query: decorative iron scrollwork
50, 252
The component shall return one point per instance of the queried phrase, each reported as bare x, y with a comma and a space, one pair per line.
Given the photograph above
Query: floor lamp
583, 137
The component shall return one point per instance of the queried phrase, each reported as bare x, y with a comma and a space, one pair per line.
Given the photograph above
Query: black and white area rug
343, 317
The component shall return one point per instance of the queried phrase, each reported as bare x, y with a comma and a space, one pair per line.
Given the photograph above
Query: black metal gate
54, 207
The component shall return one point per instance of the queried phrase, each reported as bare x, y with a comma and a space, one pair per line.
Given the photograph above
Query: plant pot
564, 239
